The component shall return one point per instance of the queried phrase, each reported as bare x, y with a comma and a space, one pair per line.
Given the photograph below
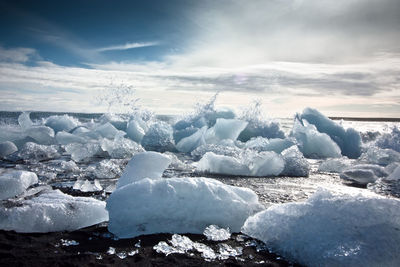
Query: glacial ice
391, 141
35, 152
218, 149
190, 143
136, 129
61, 123
395, 175
220, 164
159, 137
42, 134
87, 186
7, 148
13, 183
355, 228
106, 169
265, 129
120, 147
215, 233
81, 152
335, 165
64, 138
267, 163
274, 144
380, 156
363, 173
107, 130
224, 129
144, 165
348, 140
24, 120
295, 163
52, 211
178, 205
312, 143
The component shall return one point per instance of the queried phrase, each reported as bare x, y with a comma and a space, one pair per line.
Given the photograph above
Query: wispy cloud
20, 54
127, 46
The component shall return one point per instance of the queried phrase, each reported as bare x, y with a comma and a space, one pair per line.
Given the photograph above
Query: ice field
316, 191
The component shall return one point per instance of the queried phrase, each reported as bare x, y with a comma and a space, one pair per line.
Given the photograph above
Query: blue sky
341, 57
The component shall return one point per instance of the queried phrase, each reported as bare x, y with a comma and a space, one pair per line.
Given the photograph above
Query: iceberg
34, 152
224, 129
144, 165
52, 211
312, 143
220, 164
61, 123
82, 152
7, 148
14, 183
120, 147
391, 141
64, 138
295, 163
159, 137
363, 173
178, 205
348, 140
355, 228
190, 143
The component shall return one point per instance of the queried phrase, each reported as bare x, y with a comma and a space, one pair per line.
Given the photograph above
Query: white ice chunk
226, 251
265, 144
335, 165
144, 165
107, 168
363, 173
34, 152
24, 120
52, 211
190, 143
159, 137
266, 163
7, 148
178, 205
61, 123
13, 183
231, 151
380, 156
348, 140
69, 166
42, 134
295, 163
215, 233
391, 141
219, 164
135, 131
64, 138
349, 229
120, 147
224, 129
81, 152
312, 143
87, 186
395, 175
107, 130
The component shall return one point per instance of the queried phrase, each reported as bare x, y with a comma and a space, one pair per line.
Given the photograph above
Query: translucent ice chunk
363, 173
178, 205
87, 186
215, 233
61, 123
295, 163
13, 183
64, 138
355, 228
219, 164
190, 143
7, 148
81, 152
34, 152
159, 138
335, 165
121, 147
52, 211
24, 120
224, 129
144, 165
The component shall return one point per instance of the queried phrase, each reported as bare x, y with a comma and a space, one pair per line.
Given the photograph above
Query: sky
339, 56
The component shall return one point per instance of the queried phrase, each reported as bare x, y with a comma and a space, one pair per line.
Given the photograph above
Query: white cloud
17, 54
127, 46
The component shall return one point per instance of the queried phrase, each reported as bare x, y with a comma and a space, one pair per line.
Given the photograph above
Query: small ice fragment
87, 186
111, 251
133, 252
122, 255
13, 183
226, 251
206, 252
181, 242
137, 245
215, 233
163, 247
67, 243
